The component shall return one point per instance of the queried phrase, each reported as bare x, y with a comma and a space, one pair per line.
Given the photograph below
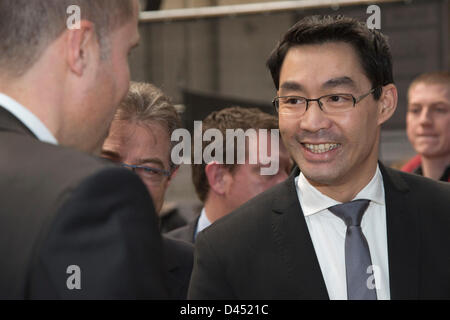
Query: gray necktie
357, 254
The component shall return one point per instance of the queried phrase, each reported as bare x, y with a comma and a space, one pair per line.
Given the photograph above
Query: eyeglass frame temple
134, 167
357, 100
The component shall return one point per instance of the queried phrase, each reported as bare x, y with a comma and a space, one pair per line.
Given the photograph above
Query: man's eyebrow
340, 81
291, 86
332, 83
440, 103
433, 104
111, 154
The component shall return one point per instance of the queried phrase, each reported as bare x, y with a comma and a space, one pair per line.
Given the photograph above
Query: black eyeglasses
330, 103
153, 175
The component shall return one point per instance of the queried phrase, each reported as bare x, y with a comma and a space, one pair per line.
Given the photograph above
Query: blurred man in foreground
69, 227
428, 125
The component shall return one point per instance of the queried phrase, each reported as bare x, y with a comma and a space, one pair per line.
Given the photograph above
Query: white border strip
243, 9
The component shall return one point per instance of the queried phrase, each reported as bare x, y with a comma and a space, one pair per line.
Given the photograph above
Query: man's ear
81, 44
218, 177
387, 104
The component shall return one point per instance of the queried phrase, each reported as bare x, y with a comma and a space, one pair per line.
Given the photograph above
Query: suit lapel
402, 234
295, 245
296, 248
192, 228
8, 122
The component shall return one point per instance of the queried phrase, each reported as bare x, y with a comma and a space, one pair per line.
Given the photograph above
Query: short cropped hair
438, 77
145, 104
229, 118
371, 46
27, 27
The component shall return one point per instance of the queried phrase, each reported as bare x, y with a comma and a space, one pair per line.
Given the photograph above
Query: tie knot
351, 212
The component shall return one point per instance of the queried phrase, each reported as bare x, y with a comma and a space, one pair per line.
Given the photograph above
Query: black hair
371, 46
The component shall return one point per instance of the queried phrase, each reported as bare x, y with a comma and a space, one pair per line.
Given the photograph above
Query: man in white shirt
345, 227
69, 227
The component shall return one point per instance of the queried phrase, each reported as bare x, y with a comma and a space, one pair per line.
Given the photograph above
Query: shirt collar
28, 119
203, 222
313, 201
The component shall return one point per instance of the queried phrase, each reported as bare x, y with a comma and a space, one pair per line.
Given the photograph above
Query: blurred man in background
428, 125
139, 139
223, 187
69, 229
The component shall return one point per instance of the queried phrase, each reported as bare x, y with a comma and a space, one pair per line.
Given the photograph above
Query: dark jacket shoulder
254, 216
185, 233
179, 260
431, 198
51, 196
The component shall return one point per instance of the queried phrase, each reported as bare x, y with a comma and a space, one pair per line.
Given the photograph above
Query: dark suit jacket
60, 207
179, 257
185, 233
263, 250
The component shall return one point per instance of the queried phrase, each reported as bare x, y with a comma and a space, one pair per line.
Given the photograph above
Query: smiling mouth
321, 148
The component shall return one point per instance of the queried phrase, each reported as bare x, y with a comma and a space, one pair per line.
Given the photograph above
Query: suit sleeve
209, 279
104, 243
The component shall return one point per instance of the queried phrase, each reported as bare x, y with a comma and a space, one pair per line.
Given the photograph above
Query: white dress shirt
328, 232
203, 223
28, 119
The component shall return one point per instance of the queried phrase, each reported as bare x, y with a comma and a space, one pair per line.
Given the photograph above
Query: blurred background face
349, 139
247, 182
428, 119
146, 145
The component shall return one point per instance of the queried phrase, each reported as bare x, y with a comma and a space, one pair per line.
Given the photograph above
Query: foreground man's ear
81, 47
387, 104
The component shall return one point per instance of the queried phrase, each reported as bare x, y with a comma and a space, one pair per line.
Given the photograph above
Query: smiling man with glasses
343, 226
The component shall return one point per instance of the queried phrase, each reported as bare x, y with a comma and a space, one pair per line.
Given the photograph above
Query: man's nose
425, 116
314, 119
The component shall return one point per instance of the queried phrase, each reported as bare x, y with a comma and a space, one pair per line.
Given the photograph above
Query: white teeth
321, 148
